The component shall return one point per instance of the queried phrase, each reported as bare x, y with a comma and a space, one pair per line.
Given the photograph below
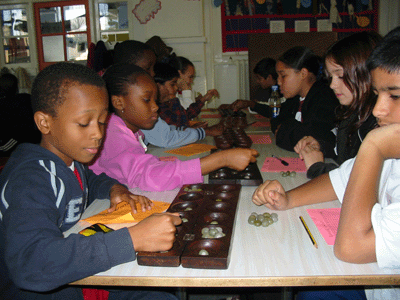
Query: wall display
243, 17
145, 10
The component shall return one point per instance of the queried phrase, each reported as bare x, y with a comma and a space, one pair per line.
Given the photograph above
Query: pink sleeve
124, 159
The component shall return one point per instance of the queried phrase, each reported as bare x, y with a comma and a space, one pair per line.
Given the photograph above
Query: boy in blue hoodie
45, 189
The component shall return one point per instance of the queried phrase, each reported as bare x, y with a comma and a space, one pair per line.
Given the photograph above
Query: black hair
52, 83
386, 55
266, 67
8, 85
119, 76
180, 63
164, 72
130, 51
302, 57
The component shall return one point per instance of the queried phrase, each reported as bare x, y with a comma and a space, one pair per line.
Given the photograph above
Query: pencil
308, 232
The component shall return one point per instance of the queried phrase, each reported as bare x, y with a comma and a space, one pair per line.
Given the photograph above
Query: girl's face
186, 78
340, 89
139, 104
289, 80
168, 90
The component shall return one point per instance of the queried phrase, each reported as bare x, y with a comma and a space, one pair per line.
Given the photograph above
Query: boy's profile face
147, 62
387, 87
265, 83
77, 130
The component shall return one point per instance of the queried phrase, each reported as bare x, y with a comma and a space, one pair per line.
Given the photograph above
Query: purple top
124, 158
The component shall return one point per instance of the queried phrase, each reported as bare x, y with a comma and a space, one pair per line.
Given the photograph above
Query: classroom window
113, 21
14, 35
64, 31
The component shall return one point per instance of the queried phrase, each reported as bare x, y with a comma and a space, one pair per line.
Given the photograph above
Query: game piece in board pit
211, 206
250, 176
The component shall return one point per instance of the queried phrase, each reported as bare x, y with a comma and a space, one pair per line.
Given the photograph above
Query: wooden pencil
308, 232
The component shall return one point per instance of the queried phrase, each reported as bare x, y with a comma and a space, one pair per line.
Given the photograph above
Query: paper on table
191, 149
272, 164
327, 222
261, 139
261, 124
123, 214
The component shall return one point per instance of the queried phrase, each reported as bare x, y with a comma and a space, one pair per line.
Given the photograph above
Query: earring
122, 111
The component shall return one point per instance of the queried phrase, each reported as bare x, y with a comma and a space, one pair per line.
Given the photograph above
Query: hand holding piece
155, 233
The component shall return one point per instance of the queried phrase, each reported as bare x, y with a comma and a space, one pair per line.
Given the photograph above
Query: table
280, 255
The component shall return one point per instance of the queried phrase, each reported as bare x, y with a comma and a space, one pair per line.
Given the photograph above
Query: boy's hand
272, 195
385, 139
119, 193
239, 158
155, 233
311, 156
215, 130
306, 141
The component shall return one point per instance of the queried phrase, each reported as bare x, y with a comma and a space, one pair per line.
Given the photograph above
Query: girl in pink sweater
132, 95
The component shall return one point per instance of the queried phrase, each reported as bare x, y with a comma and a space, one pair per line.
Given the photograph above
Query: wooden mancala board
211, 206
250, 176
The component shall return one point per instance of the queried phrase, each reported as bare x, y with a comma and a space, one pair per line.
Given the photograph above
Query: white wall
193, 29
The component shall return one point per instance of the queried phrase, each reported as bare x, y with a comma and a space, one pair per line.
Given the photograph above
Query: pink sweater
124, 159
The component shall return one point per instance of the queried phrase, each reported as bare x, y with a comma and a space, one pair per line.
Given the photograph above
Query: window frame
97, 20
31, 36
39, 41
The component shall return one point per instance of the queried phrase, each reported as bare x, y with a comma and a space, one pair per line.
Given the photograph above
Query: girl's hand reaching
272, 195
209, 95
119, 193
239, 158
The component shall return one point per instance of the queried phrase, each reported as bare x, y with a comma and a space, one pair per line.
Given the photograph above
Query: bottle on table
275, 102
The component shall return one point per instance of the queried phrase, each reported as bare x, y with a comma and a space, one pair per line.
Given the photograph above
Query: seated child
170, 108
16, 116
187, 73
45, 189
266, 77
132, 94
310, 106
162, 134
367, 185
345, 63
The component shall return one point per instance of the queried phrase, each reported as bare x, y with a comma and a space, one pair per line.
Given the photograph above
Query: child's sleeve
340, 177
169, 136
386, 224
123, 159
38, 256
99, 185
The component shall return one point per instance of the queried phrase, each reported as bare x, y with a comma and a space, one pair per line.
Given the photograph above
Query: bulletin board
240, 18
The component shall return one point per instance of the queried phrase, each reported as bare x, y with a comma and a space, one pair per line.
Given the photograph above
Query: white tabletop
279, 255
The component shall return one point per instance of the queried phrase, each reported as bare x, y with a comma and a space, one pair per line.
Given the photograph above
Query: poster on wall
243, 17
145, 10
